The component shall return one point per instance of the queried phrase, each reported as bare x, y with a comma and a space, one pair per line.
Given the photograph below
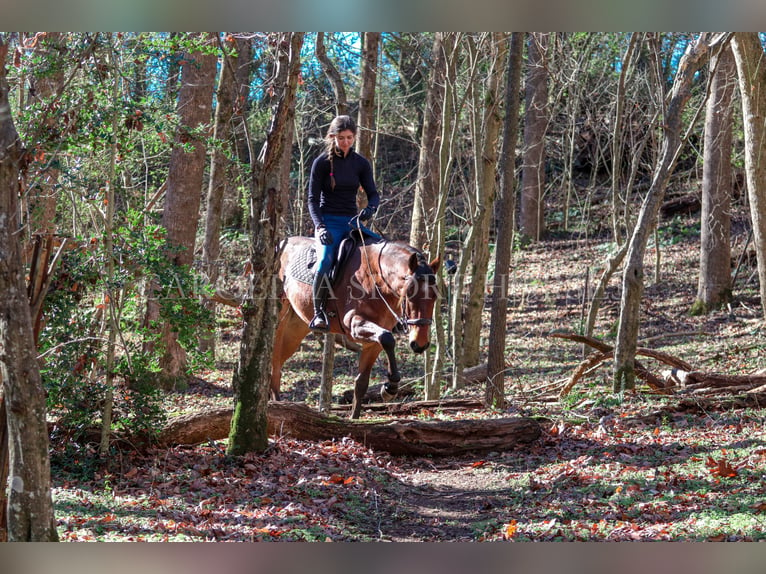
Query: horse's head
418, 298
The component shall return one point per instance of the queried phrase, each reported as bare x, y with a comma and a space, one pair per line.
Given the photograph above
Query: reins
403, 322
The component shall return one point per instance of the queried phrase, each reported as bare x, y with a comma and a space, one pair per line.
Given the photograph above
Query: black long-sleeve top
350, 172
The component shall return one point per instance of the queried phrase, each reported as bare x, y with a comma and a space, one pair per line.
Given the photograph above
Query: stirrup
320, 322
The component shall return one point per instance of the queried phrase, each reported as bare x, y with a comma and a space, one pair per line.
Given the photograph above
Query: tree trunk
531, 216
751, 67
714, 286
405, 437
370, 49
185, 179
328, 365
333, 76
427, 182
633, 274
217, 184
446, 158
495, 386
486, 170
248, 431
29, 503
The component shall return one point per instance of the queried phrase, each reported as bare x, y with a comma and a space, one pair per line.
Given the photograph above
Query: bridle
410, 280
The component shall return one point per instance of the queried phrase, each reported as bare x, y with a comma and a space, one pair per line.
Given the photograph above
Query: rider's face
344, 140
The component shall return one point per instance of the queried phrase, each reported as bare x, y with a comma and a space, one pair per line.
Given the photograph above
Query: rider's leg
322, 289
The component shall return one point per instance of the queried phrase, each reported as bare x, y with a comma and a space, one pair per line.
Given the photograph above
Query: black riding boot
321, 290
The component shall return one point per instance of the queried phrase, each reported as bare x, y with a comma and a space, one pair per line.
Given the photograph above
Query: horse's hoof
387, 395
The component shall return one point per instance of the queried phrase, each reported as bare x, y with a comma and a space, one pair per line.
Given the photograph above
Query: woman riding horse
336, 175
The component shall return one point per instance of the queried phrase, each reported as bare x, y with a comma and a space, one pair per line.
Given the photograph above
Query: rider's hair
337, 125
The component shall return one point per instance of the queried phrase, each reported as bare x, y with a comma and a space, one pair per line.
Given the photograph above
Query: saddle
302, 266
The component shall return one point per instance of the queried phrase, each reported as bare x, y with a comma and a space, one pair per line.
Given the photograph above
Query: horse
381, 288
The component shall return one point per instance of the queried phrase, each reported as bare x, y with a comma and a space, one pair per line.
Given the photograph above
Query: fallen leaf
510, 530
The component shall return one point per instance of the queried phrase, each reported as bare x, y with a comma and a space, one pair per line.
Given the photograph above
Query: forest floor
607, 467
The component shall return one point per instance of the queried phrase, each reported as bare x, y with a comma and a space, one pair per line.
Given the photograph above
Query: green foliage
72, 340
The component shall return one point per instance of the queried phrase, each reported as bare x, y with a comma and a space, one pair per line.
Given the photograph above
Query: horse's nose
418, 348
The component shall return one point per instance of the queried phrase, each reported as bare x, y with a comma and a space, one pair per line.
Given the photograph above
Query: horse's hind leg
367, 357
291, 330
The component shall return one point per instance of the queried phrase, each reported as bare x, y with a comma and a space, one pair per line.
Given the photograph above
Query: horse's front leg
367, 357
365, 330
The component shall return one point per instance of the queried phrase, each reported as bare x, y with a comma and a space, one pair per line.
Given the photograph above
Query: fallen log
699, 380
473, 375
408, 437
686, 204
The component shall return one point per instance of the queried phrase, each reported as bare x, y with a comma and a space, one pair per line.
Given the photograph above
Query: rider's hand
367, 213
323, 235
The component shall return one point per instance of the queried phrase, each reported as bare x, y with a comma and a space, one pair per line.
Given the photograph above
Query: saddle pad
301, 267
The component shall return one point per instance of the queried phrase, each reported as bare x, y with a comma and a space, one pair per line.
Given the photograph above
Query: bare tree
485, 162
370, 49
495, 388
714, 285
252, 376
427, 182
693, 60
333, 76
617, 143
751, 68
29, 503
446, 159
531, 217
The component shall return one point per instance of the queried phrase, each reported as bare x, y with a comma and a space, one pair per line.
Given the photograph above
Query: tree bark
185, 179
531, 216
486, 171
29, 503
714, 286
633, 274
495, 386
401, 437
751, 67
248, 431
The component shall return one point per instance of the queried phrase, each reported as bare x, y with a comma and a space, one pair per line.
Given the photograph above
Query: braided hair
337, 125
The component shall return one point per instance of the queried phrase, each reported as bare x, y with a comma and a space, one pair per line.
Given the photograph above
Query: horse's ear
435, 264
413, 262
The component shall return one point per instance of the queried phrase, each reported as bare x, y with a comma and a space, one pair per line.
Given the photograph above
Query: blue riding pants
338, 226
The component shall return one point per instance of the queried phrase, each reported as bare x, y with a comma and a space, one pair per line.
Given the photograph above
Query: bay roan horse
380, 286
